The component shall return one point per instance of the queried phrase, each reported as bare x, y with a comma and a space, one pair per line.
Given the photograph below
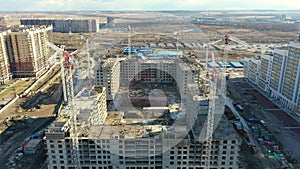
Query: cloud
37, 5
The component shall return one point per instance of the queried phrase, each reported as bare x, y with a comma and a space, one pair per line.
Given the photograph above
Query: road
16, 141
244, 123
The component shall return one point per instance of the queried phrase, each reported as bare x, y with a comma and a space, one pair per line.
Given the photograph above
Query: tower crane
217, 97
68, 92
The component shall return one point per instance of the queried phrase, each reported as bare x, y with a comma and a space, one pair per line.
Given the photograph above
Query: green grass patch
19, 87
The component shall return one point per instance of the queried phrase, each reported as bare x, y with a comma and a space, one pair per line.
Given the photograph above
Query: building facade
107, 75
265, 72
28, 52
4, 65
66, 25
278, 75
251, 69
137, 147
156, 70
133, 139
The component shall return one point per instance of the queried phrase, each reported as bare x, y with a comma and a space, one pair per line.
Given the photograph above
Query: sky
62, 5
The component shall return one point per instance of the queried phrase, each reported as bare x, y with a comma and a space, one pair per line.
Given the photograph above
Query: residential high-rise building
290, 86
183, 78
265, 72
66, 25
144, 138
4, 66
278, 74
28, 52
107, 75
276, 80
251, 69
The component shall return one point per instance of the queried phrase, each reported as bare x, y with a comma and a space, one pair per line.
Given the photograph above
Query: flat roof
33, 143
223, 129
295, 44
237, 64
224, 63
212, 64
281, 52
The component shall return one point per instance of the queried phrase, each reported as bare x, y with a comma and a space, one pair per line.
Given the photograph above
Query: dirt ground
257, 106
26, 117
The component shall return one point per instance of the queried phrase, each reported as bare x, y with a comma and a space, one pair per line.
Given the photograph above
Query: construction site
28, 115
167, 111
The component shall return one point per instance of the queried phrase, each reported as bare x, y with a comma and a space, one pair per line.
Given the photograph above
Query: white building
252, 68
265, 72
4, 65
278, 75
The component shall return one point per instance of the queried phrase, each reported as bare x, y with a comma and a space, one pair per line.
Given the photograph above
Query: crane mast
210, 117
72, 111
68, 94
217, 97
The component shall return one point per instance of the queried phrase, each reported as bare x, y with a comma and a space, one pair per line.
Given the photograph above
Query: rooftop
236, 64
281, 52
33, 143
295, 44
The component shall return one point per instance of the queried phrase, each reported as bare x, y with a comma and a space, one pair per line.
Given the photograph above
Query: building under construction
145, 138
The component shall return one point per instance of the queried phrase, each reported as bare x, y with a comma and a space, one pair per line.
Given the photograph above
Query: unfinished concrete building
159, 70
135, 140
108, 76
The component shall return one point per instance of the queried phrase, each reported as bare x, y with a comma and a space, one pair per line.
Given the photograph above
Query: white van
262, 122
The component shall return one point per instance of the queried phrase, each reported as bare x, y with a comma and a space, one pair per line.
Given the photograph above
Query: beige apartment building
28, 52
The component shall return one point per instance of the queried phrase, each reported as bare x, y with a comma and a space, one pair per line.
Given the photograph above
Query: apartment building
252, 68
265, 72
183, 78
144, 146
148, 70
28, 52
4, 65
156, 70
290, 86
108, 76
278, 75
66, 25
111, 150
90, 105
